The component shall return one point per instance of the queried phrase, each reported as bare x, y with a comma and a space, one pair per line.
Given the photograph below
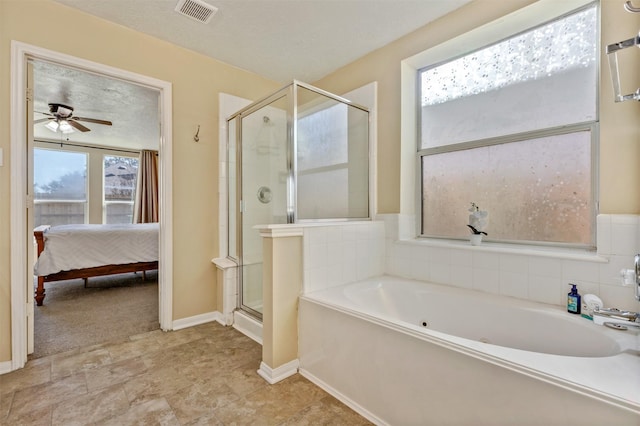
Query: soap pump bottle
573, 300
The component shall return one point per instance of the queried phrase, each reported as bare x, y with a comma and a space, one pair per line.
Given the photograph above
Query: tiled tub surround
364, 343
536, 274
533, 274
342, 252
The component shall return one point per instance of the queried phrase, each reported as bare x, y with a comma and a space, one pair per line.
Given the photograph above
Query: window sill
516, 249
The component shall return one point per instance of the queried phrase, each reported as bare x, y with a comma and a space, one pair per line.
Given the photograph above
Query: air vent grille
196, 9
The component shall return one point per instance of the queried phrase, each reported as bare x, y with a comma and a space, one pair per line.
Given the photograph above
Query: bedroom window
60, 187
511, 127
120, 178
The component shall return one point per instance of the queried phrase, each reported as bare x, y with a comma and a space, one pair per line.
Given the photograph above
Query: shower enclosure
298, 155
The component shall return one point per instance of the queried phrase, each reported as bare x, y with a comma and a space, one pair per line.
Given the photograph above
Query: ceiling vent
196, 9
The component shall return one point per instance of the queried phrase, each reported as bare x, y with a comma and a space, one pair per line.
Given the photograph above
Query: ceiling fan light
52, 125
65, 127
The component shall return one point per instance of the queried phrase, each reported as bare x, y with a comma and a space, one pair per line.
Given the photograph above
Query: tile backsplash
526, 273
343, 252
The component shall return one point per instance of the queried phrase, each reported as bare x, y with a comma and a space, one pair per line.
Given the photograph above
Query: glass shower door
263, 192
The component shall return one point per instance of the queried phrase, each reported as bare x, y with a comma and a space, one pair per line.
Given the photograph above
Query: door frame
20, 53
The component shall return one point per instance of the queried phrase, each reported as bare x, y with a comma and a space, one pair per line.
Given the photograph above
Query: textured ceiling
135, 124
279, 39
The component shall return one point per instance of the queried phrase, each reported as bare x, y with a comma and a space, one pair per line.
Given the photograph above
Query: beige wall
620, 123
196, 81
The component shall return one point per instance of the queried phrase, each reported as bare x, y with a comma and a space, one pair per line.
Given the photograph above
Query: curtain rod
88, 146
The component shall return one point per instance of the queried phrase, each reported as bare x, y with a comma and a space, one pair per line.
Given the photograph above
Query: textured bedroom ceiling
135, 124
278, 39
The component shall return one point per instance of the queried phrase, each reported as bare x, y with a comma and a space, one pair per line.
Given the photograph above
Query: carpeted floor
110, 309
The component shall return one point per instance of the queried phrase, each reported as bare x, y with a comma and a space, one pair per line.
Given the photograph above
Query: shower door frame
239, 210
292, 165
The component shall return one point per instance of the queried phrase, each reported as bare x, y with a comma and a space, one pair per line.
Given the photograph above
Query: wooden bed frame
84, 273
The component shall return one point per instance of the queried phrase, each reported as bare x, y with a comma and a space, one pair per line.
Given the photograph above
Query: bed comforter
69, 247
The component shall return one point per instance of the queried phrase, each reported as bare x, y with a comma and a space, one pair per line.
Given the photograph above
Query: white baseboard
274, 375
225, 319
342, 398
247, 326
6, 367
196, 320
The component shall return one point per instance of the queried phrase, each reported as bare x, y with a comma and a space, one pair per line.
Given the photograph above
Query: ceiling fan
61, 119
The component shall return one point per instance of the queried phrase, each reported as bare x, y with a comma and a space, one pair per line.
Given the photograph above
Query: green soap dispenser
573, 300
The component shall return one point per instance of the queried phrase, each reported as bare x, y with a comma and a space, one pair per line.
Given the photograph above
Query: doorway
21, 198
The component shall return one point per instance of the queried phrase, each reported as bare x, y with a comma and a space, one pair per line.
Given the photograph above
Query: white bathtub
403, 352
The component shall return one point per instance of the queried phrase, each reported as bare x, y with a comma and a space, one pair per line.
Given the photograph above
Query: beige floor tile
44, 395
180, 337
63, 365
152, 412
244, 379
111, 374
37, 417
5, 404
197, 401
154, 384
168, 357
134, 348
327, 411
91, 408
33, 374
295, 390
254, 412
205, 375
206, 420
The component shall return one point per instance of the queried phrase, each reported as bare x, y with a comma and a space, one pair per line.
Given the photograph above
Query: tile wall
537, 274
343, 252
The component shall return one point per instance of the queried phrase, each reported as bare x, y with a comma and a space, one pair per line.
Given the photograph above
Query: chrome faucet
617, 314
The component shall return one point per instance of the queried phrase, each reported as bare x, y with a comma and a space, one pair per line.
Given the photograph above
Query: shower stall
298, 155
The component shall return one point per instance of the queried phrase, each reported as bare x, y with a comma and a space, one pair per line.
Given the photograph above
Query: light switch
1, 157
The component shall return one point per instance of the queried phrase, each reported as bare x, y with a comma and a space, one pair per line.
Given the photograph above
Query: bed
82, 251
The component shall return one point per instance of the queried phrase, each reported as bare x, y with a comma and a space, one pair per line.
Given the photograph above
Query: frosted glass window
511, 127
322, 137
543, 78
332, 159
534, 190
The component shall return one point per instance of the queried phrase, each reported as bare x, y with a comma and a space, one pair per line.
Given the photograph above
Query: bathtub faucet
617, 314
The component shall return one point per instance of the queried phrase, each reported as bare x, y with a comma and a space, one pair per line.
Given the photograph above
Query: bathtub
403, 352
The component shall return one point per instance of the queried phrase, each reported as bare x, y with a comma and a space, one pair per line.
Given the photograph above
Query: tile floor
204, 375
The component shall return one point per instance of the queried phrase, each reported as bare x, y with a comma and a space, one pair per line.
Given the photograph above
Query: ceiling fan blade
93, 120
42, 120
44, 113
78, 126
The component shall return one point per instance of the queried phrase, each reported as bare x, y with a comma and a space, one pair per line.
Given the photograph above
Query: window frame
105, 203
85, 201
590, 126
